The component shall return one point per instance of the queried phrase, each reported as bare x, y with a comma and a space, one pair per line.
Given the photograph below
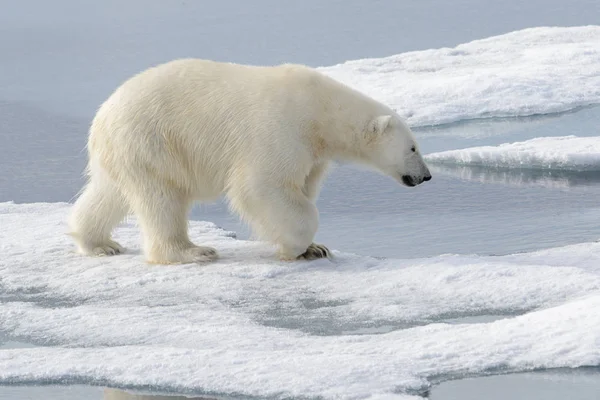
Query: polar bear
263, 136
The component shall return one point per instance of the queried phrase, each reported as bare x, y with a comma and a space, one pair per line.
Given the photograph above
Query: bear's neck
345, 115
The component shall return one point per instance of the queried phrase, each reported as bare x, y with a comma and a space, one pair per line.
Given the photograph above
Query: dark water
575, 384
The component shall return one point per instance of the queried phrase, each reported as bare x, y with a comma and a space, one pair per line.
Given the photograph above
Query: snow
532, 71
570, 153
251, 325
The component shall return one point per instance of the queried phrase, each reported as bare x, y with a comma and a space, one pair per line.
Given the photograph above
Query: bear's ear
379, 124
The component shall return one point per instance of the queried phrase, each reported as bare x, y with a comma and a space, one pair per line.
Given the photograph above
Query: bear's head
394, 151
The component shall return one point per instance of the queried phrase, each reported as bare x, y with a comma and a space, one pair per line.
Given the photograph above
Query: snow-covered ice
550, 179
570, 153
552, 162
251, 325
532, 71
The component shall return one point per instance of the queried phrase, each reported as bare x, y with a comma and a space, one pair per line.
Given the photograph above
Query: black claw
324, 251
315, 251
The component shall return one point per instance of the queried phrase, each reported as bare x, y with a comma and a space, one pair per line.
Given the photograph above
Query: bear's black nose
427, 178
408, 180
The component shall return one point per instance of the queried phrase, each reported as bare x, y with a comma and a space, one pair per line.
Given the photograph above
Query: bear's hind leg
162, 214
95, 213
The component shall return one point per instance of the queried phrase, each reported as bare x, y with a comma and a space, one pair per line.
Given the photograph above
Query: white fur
192, 130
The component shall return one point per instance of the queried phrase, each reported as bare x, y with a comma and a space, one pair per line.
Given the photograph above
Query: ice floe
251, 325
527, 72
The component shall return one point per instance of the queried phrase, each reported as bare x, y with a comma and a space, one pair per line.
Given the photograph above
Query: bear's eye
413, 149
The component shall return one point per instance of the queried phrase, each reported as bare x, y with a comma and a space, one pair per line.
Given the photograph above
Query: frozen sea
483, 282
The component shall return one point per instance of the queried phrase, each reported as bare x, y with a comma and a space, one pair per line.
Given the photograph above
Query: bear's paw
109, 248
315, 251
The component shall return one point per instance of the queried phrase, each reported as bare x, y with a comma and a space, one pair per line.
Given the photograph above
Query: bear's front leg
282, 214
298, 223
